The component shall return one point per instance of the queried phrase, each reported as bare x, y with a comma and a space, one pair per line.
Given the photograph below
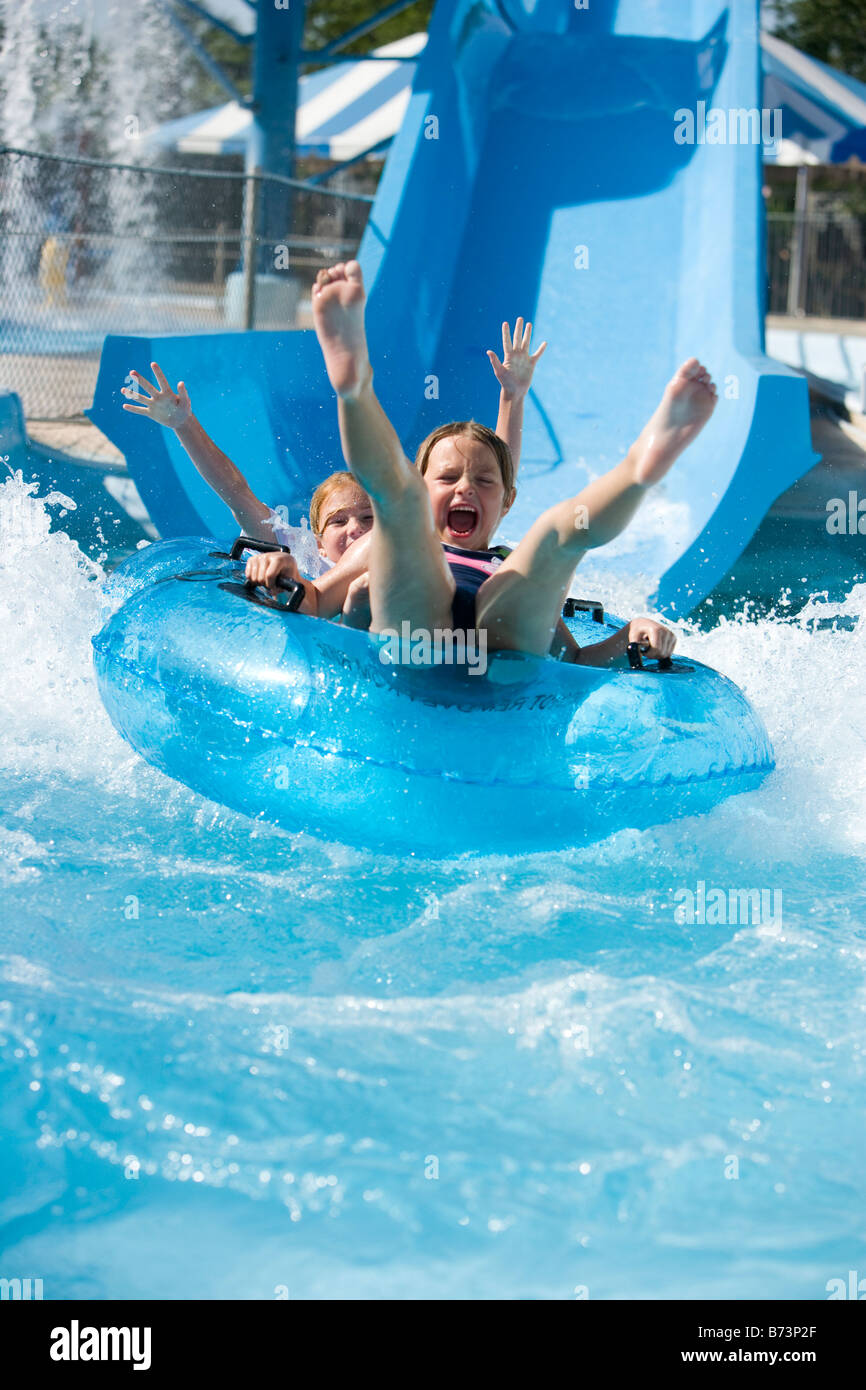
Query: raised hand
164, 406
514, 372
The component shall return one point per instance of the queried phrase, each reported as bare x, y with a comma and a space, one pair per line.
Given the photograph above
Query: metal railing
89, 248
816, 265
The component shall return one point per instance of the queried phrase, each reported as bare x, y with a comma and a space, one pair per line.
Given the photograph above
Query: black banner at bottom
156, 1338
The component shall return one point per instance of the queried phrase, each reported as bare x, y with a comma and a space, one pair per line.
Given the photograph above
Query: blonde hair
322, 494
473, 430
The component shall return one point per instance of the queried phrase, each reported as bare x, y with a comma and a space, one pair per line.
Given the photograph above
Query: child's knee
404, 500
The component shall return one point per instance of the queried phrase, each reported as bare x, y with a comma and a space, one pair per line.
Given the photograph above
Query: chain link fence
830, 280
89, 248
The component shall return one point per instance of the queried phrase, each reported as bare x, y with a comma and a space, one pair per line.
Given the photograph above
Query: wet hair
322, 495
473, 430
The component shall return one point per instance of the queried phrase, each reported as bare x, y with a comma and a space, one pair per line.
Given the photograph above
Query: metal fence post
797, 279
252, 195
219, 266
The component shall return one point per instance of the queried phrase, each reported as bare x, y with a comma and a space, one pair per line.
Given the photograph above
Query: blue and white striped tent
823, 111
343, 110
353, 107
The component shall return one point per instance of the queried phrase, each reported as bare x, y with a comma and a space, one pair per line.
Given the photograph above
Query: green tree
328, 19
234, 58
833, 31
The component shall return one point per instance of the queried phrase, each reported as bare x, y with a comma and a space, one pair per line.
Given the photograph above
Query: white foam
50, 602
806, 684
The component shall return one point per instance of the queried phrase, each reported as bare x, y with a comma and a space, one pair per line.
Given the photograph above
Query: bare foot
686, 406
338, 314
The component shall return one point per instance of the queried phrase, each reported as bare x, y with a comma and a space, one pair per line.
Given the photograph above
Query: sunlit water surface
238, 1063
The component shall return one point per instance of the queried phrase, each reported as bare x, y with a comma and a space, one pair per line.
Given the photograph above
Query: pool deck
77, 437
842, 445
846, 327
830, 353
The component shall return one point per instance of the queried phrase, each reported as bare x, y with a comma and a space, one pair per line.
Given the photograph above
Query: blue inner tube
300, 721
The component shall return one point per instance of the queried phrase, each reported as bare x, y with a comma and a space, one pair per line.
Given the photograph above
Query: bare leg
520, 604
409, 577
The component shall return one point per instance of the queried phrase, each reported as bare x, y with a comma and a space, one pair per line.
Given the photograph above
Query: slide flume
543, 169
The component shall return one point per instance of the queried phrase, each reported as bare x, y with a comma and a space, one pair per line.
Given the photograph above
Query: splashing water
239, 1063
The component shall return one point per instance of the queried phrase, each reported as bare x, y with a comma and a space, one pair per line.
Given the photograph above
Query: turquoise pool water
239, 1063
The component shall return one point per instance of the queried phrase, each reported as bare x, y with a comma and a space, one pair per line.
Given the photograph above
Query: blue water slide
94, 503
537, 173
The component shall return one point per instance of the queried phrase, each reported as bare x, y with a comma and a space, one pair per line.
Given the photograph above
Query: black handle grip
254, 593
635, 659
248, 543
584, 605
294, 588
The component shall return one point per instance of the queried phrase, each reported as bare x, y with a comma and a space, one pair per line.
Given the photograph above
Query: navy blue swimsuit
470, 569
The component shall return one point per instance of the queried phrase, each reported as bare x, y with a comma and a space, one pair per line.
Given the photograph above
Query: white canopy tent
343, 110
823, 111
354, 107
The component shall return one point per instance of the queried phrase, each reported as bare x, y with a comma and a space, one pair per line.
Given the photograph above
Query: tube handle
584, 605
635, 658
249, 543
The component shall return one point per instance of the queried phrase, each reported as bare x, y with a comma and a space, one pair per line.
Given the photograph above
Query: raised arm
514, 374
173, 409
